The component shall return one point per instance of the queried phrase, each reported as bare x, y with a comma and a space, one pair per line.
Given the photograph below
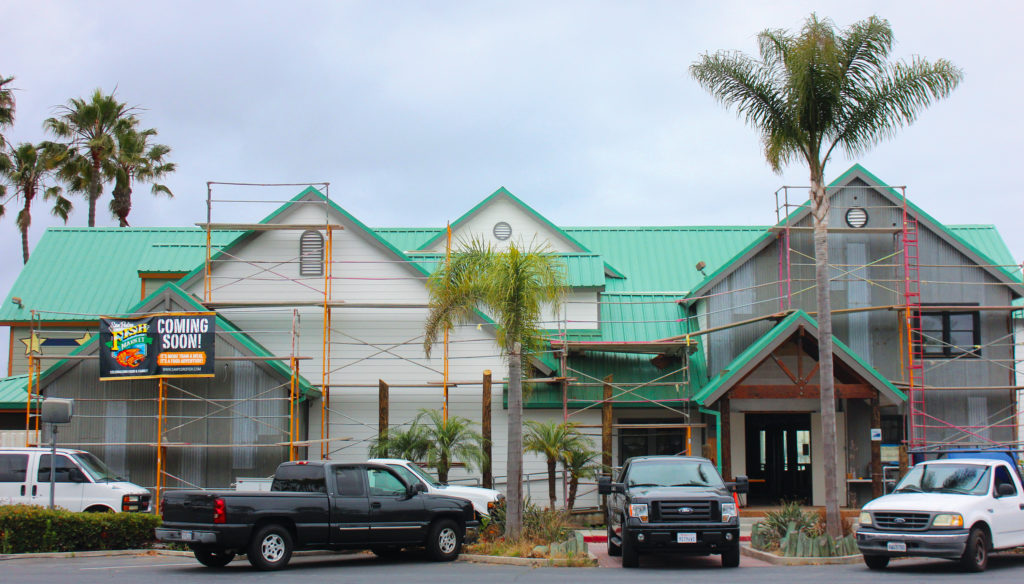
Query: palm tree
513, 285
809, 94
551, 440
6, 108
410, 443
137, 159
579, 463
27, 170
449, 441
91, 127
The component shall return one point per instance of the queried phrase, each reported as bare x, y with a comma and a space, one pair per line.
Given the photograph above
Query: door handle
1021, 505
375, 505
34, 487
22, 490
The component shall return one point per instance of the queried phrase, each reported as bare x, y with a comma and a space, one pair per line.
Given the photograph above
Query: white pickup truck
483, 500
960, 509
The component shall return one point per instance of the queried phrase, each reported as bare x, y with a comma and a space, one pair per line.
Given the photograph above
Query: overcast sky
415, 111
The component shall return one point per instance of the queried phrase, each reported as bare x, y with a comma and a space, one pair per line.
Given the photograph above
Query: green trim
718, 435
773, 338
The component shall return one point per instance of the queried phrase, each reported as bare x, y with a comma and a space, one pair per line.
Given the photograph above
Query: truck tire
445, 540
613, 550
270, 548
212, 558
630, 555
876, 562
975, 558
731, 558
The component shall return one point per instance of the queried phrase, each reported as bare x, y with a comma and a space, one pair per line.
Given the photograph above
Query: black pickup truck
316, 505
672, 504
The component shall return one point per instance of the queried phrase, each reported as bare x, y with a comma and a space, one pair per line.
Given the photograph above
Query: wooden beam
782, 391
606, 424
876, 451
485, 428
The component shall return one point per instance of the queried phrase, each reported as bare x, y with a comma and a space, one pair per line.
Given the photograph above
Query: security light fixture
16, 300
700, 268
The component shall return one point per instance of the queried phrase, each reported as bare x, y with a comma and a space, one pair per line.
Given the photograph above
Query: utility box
56, 410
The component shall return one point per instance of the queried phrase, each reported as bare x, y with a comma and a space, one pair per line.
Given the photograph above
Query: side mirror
604, 486
1005, 490
618, 488
741, 485
415, 489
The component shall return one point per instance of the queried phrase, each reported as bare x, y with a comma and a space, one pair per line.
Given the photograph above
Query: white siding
526, 228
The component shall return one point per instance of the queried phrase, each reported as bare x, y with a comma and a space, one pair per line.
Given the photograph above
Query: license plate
896, 546
686, 538
186, 536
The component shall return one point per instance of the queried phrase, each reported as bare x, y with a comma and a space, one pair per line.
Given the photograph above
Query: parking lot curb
530, 562
789, 561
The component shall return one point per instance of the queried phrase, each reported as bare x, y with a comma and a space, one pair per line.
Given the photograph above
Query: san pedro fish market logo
161, 345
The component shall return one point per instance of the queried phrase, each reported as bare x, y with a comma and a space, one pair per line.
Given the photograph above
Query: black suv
672, 504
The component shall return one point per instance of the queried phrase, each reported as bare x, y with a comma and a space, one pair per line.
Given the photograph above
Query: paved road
337, 569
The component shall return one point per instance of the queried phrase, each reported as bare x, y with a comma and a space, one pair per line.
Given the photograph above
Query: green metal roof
407, 238
13, 392
583, 270
757, 351
986, 239
80, 273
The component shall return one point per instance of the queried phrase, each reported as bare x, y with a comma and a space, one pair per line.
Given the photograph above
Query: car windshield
99, 472
962, 479
419, 473
673, 473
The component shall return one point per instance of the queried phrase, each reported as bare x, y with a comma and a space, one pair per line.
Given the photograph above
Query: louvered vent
311, 254
502, 231
856, 217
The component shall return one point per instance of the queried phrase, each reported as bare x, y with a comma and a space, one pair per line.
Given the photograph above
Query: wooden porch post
382, 424
876, 450
726, 438
485, 428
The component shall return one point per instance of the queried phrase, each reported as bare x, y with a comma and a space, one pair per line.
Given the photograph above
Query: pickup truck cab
483, 500
672, 504
81, 482
316, 505
961, 509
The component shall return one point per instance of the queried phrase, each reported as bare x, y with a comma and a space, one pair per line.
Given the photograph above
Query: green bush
26, 529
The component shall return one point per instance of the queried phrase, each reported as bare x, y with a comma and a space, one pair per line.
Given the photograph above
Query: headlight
948, 520
639, 510
865, 518
728, 512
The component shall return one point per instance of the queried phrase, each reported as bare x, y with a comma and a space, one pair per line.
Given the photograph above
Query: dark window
13, 468
66, 471
1003, 478
349, 481
384, 483
311, 254
949, 334
650, 441
300, 478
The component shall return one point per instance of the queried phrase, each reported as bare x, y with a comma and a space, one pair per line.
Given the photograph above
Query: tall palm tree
808, 94
513, 285
91, 127
6, 108
137, 159
579, 463
27, 171
551, 440
448, 441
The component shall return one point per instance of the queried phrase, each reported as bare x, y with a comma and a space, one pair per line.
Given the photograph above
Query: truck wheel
613, 550
630, 555
445, 541
975, 558
731, 558
213, 558
270, 548
876, 562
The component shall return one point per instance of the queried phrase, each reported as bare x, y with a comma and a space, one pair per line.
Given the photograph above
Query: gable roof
759, 350
14, 392
1000, 272
226, 330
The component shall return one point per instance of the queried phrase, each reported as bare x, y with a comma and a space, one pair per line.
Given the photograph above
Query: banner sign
160, 345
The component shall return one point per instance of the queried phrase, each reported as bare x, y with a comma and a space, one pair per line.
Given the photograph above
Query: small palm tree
449, 441
91, 127
513, 285
809, 94
579, 463
27, 171
6, 108
551, 440
137, 159
409, 443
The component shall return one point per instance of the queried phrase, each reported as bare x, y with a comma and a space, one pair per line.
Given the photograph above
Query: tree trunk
819, 211
95, 188
514, 479
552, 471
442, 468
574, 485
24, 220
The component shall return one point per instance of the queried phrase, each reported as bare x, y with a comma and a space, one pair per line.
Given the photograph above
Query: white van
81, 483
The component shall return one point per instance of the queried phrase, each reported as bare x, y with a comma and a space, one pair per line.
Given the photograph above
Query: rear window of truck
300, 479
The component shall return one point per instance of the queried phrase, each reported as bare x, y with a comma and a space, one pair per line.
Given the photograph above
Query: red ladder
916, 431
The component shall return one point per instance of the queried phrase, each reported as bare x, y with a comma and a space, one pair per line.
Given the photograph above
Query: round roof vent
502, 231
856, 217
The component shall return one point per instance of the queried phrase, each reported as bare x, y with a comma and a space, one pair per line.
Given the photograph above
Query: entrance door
778, 457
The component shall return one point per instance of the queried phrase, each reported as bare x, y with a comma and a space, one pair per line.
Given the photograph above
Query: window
66, 471
950, 334
311, 254
350, 481
384, 483
13, 468
1003, 478
640, 441
300, 478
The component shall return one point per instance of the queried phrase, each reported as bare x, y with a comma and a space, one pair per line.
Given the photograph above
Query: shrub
27, 528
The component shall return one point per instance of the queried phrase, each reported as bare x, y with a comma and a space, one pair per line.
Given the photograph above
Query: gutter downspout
718, 434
